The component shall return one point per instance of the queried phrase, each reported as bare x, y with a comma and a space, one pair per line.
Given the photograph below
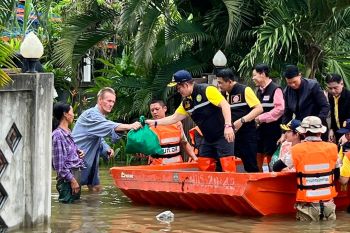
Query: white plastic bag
166, 216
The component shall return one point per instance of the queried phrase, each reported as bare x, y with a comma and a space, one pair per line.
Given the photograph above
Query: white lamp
219, 60
31, 49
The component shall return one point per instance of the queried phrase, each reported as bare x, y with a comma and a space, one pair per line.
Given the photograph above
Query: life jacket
206, 115
315, 163
169, 139
196, 137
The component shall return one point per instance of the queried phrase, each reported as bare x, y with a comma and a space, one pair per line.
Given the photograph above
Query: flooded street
111, 211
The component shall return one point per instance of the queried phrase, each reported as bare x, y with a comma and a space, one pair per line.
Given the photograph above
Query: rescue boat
182, 185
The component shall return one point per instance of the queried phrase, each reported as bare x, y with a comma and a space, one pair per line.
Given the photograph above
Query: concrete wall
25, 178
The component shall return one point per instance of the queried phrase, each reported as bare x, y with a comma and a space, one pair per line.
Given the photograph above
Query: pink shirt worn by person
278, 109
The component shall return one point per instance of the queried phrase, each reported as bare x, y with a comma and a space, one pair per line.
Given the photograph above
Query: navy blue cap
292, 125
180, 77
346, 127
291, 71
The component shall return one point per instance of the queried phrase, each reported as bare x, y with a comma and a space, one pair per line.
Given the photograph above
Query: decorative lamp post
219, 61
31, 49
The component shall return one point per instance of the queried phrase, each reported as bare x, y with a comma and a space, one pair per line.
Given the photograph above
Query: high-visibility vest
194, 134
169, 138
315, 163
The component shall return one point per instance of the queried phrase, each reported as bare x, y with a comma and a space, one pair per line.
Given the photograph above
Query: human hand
135, 126
193, 158
75, 186
81, 153
110, 153
257, 122
237, 125
229, 134
331, 137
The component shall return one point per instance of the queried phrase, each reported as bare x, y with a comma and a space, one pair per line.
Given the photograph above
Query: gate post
25, 150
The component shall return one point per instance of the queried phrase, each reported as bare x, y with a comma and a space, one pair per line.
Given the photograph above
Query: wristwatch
242, 120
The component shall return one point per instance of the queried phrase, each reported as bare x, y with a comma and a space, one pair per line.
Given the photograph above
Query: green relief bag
143, 140
275, 157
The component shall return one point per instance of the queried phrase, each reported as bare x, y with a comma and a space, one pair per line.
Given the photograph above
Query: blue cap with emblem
180, 76
346, 127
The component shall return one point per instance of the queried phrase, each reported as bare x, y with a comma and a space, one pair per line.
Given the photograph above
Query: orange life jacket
169, 138
315, 163
194, 139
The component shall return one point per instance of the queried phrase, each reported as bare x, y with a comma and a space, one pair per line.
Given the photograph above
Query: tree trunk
313, 56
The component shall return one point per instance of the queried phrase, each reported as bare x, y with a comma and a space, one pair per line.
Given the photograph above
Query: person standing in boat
211, 113
315, 162
89, 132
303, 97
66, 157
339, 100
268, 123
171, 138
245, 107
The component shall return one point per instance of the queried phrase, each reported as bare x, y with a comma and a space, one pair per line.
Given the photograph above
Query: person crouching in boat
315, 162
211, 113
171, 138
292, 137
245, 107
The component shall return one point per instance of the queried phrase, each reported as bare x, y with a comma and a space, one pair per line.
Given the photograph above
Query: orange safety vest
315, 163
169, 139
192, 133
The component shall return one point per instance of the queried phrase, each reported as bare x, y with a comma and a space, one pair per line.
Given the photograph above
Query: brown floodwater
112, 211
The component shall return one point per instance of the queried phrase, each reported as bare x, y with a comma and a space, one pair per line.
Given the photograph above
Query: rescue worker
245, 107
315, 162
171, 138
268, 123
211, 113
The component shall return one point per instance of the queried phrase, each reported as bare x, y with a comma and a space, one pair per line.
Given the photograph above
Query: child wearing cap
292, 137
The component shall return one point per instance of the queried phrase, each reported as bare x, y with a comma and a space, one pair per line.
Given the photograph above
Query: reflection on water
111, 211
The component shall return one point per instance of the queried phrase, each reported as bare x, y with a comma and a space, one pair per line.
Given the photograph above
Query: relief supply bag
143, 140
275, 157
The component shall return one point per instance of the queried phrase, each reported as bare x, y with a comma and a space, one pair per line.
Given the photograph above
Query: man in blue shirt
89, 131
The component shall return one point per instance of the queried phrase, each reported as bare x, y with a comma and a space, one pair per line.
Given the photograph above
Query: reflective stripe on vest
315, 164
318, 192
238, 105
169, 140
268, 105
316, 167
198, 106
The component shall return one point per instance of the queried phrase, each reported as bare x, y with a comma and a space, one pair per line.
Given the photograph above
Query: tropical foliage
6, 52
314, 33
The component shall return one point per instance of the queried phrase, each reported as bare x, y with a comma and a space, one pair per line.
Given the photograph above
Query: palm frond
238, 12
146, 37
80, 33
6, 9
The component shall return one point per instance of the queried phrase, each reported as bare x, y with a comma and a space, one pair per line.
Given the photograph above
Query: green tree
314, 33
6, 51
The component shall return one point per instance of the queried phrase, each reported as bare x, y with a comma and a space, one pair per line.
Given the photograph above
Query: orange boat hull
184, 186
